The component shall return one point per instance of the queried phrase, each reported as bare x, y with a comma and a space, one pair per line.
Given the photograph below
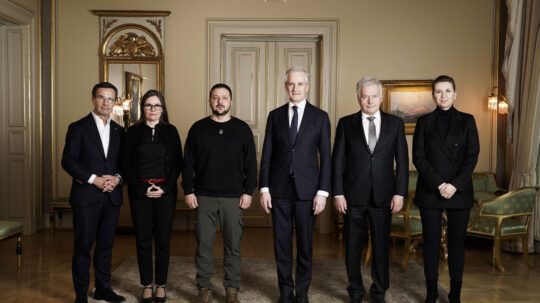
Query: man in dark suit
364, 184
91, 156
292, 184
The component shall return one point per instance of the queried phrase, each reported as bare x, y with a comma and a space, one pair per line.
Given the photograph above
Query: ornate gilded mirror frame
131, 42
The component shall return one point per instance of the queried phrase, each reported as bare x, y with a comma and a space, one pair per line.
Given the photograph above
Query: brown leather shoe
205, 295
231, 295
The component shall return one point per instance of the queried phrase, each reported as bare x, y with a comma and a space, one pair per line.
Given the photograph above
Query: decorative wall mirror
131, 57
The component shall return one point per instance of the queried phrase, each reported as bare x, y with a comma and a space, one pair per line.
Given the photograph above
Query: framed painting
408, 99
134, 92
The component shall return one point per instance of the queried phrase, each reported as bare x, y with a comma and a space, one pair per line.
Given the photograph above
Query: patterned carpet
259, 282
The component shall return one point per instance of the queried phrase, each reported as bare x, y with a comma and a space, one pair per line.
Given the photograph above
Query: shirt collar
377, 115
300, 105
98, 119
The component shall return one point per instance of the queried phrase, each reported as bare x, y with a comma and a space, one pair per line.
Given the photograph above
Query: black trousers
431, 230
96, 222
355, 233
289, 214
153, 217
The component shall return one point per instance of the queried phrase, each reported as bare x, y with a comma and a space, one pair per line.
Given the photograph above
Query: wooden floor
46, 269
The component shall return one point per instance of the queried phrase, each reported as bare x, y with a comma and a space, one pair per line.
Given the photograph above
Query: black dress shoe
286, 298
301, 298
107, 294
81, 298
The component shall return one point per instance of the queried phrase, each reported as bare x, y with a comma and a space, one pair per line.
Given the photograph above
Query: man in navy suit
91, 156
293, 185
365, 186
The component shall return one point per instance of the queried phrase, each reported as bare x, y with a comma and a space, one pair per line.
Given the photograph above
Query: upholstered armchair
10, 229
505, 217
407, 227
485, 187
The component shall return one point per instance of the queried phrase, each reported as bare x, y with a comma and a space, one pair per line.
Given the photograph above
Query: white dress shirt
300, 109
376, 121
104, 131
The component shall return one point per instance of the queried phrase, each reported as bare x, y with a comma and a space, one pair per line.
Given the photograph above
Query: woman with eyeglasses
152, 162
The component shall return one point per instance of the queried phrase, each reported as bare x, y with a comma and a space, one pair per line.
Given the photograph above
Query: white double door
255, 67
19, 166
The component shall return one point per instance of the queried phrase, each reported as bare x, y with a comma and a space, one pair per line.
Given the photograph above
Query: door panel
15, 199
304, 54
254, 67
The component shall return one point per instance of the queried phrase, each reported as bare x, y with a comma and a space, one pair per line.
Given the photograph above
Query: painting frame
134, 93
408, 99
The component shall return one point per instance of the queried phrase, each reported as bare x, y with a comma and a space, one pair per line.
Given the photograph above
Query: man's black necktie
293, 130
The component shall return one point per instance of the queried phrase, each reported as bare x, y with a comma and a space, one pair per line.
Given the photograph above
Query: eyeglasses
153, 106
103, 99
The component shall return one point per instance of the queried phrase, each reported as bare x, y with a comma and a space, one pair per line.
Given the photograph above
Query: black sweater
444, 117
130, 157
219, 159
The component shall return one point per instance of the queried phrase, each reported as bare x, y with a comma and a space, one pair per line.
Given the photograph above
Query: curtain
511, 67
537, 209
525, 114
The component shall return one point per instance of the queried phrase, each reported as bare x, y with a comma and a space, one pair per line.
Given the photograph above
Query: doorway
20, 181
252, 57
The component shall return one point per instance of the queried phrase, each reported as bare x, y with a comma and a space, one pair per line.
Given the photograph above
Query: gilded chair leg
19, 252
413, 247
444, 243
497, 255
406, 254
525, 248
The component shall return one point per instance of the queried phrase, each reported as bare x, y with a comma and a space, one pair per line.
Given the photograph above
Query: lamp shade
492, 102
503, 108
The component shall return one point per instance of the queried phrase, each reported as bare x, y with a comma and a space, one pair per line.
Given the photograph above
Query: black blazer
130, 158
311, 146
451, 159
356, 172
83, 156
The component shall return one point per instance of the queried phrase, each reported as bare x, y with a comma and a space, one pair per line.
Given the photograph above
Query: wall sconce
503, 107
126, 107
117, 109
492, 102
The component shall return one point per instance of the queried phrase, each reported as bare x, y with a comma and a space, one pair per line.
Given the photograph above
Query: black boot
455, 292
432, 292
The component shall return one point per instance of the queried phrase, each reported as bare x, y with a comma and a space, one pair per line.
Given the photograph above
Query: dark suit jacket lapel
306, 119
360, 127
93, 132
283, 122
437, 135
383, 135
114, 137
453, 131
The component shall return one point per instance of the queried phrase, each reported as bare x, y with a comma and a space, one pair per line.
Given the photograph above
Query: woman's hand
447, 190
154, 191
